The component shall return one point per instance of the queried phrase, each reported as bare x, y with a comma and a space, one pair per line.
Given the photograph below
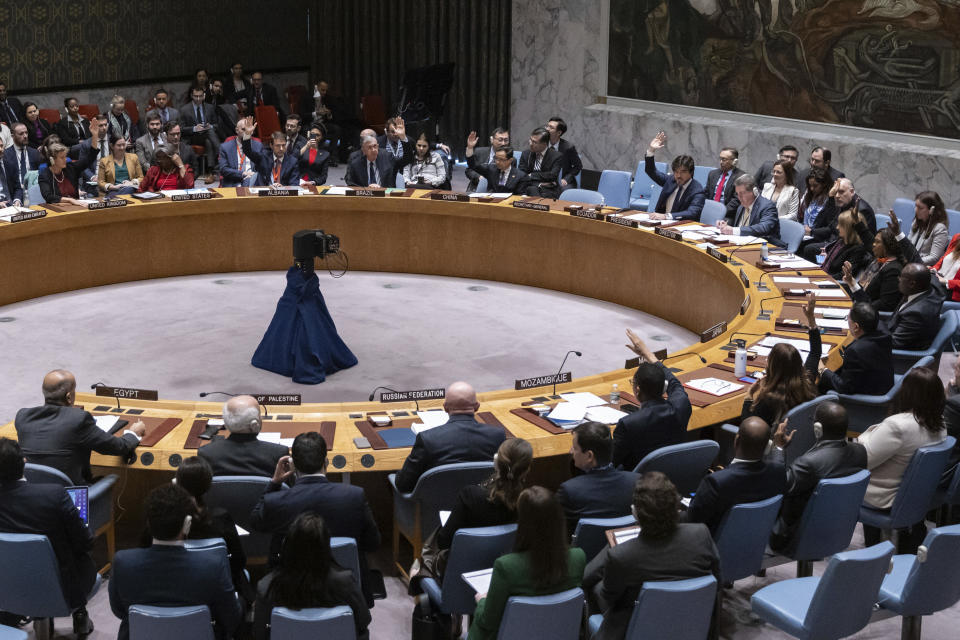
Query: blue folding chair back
345, 554
335, 623
482, 185
713, 212
685, 464
591, 533
904, 360
556, 616
10, 633
30, 573
642, 184
615, 187
905, 209
239, 495
701, 174
882, 220
679, 609
791, 233
953, 218
582, 195
800, 422
163, 623
921, 587
830, 517
742, 537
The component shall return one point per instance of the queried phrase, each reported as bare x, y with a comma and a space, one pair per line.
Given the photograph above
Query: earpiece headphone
756, 192
817, 430
735, 161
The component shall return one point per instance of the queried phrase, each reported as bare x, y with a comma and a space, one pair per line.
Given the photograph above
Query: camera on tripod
312, 243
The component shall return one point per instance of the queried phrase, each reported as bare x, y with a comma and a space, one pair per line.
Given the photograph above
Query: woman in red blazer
948, 266
169, 172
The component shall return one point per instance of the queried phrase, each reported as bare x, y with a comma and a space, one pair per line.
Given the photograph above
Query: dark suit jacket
856, 254
241, 454
951, 420
33, 138
548, 175
914, 325
13, 173
270, 97
188, 119
598, 493
765, 174
730, 200
739, 483
571, 165
315, 171
340, 588
68, 133
46, 509
516, 180
9, 184
6, 116
482, 155
656, 424
230, 173
473, 509
63, 437
825, 459
614, 577
824, 227
867, 367
263, 161
764, 221
461, 439
72, 172
387, 166
883, 289
172, 576
691, 201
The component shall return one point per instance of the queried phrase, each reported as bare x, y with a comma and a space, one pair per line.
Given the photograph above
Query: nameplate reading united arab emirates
722, 257
713, 332
367, 193
107, 204
669, 233
452, 197
273, 193
127, 392
543, 381
589, 214
191, 196
278, 398
536, 206
623, 222
33, 214
420, 394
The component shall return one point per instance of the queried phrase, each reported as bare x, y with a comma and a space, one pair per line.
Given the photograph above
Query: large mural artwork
883, 64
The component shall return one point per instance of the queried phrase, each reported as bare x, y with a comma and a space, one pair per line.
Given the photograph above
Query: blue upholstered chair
685, 464
642, 184
953, 220
400, 183
864, 411
239, 495
334, 623
882, 220
11, 633
591, 533
905, 210
482, 185
701, 174
34, 195
944, 498
615, 187
556, 616
713, 212
904, 360
162, 623
677, 609
345, 554
833, 606
742, 537
791, 233
582, 195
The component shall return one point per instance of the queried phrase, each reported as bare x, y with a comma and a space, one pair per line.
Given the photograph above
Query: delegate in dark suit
9, 184
656, 424
516, 179
339, 588
915, 323
461, 439
545, 181
172, 576
264, 159
12, 168
764, 221
241, 454
266, 96
358, 168
601, 492
746, 481
46, 509
867, 367
730, 200
231, 173
690, 203
313, 165
801, 181
73, 172
71, 132
483, 156
571, 166
614, 577
188, 120
11, 111
63, 437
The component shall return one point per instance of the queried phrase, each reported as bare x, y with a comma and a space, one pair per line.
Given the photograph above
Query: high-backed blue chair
945, 498
685, 464
34, 195
922, 584
742, 537
400, 183
904, 360
482, 185
827, 523
582, 195
800, 422
556, 616
417, 514
345, 554
335, 623
162, 623
701, 174
239, 495
30, 583
591, 533
920, 480
677, 609
11, 633
953, 218
882, 220
471, 550
833, 606
791, 233
713, 212
655, 191
864, 411
905, 209
642, 183
615, 187
516, 157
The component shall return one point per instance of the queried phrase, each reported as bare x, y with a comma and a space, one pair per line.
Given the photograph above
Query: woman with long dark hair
815, 198
928, 233
880, 278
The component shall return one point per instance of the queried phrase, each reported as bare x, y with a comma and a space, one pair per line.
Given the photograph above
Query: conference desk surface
73, 248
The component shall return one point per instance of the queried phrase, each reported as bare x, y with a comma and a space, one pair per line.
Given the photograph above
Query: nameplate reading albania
127, 392
191, 196
543, 381
420, 394
107, 204
275, 193
32, 214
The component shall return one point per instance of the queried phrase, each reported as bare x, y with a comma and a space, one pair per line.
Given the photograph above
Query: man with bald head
461, 439
61, 436
747, 478
241, 453
916, 321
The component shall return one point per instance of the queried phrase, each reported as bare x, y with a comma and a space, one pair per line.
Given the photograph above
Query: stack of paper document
738, 240
604, 414
567, 414
832, 312
106, 422
713, 386
763, 347
337, 191
584, 398
479, 581
6, 213
148, 195
789, 280
623, 535
790, 261
183, 192
832, 323
429, 420
498, 195
820, 293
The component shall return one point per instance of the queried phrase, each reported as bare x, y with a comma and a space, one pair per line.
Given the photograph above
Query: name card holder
180, 197
745, 305
285, 399
32, 214
127, 392
669, 233
274, 193
366, 193
450, 197
543, 381
722, 257
536, 206
419, 394
107, 204
589, 214
623, 222
714, 331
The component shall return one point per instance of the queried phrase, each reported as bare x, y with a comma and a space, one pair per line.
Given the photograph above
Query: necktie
536, 164
3, 182
79, 129
744, 217
503, 178
718, 196
676, 199
372, 170
199, 115
23, 164
259, 97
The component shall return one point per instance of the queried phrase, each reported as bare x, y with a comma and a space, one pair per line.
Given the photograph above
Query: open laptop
81, 499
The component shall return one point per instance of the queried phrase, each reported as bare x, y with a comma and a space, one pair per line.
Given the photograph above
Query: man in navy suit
261, 94
867, 361
10, 190
915, 323
501, 175
236, 167
46, 509
571, 165
747, 479
81, 152
198, 121
19, 159
659, 422
167, 574
371, 168
720, 187
542, 165
461, 439
241, 453
11, 111
601, 491
275, 168
756, 216
682, 197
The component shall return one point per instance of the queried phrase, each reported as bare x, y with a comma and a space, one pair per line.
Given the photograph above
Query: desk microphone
204, 394
744, 333
561, 369
685, 353
762, 300
374, 393
102, 384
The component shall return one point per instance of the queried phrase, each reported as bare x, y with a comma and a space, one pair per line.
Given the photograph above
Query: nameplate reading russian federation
278, 398
274, 193
722, 257
366, 193
107, 204
406, 396
536, 206
713, 332
623, 222
589, 214
543, 381
745, 305
452, 197
127, 392
191, 196
669, 233
33, 214
744, 279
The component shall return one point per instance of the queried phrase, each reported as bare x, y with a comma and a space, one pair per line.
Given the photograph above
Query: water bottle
615, 395
763, 250
740, 359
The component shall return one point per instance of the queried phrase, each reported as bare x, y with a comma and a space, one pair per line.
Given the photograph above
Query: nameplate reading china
452, 197
713, 332
722, 257
107, 204
191, 196
32, 214
620, 220
668, 233
543, 381
278, 398
745, 305
589, 214
272, 193
420, 394
366, 193
127, 392
536, 206
744, 279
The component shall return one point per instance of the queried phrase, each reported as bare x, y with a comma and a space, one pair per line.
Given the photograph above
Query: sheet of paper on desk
707, 245
832, 312
832, 323
148, 195
798, 263
584, 398
419, 427
88, 201
8, 212
830, 293
772, 341
738, 240
433, 418
692, 236
201, 190
106, 422
444, 516
501, 195
270, 436
479, 581
568, 411
788, 280
336, 191
714, 386
604, 414
287, 442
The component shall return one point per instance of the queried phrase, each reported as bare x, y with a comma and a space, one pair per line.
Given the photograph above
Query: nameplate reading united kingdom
31, 214
366, 193
107, 204
191, 196
722, 257
713, 332
668, 233
273, 193
452, 197
589, 214
419, 394
543, 381
278, 398
536, 206
127, 392
623, 222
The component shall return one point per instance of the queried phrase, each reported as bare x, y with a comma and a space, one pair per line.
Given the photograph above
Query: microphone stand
554, 394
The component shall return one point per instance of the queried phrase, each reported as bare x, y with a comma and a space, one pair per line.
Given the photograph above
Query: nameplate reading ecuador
285, 399
669, 233
536, 206
713, 332
543, 381
32, 214
107, 204
191, 196
274, 193
366, 193
623, 222
589, 214
722, 257
452, 197
127, 392
419, 394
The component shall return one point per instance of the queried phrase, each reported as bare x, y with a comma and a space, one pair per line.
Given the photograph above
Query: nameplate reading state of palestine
126, 392
713, 332
543, 381
452, 197
33, 214
366, 193
536, 206
722, 257
420, 394
623, 222
589, 214
107, 204
278, 398
668, 233
191, 196
273, 193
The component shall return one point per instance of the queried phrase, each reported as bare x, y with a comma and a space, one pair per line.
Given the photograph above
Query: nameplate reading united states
278, 398
191, 196
722, 257
127, 392
543, 381
536, 206
32, 214
589, 214
366, 193
107, 204
623, 222
713, 332
274, 193
452, 197
669, 233
419, 394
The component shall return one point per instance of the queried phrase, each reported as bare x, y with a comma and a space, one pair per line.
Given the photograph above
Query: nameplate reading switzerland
669, 233
366, 193
406, 396
623, 222
713, 332
722, 257
285, 399
275, 193
191, 196
536, 206
543, 381
452, 197
107, 204
127, 392
589, 214
33, 214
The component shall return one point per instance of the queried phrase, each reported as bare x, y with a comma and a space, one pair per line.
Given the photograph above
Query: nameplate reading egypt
543, 381
419, 394
127, 392
107, 204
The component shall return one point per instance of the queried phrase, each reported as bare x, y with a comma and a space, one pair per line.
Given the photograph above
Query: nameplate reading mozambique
589, 214
745, 305
273, 193
33, 214
278, 398
536, 206
367, 193
191, 196
713, 332
126, 392
722, 257
452, 197
107, 204
669, 233
543, 381
744, 279
405, 396
623, 222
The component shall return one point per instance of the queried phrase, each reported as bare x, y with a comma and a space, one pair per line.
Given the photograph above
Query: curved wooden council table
71, 250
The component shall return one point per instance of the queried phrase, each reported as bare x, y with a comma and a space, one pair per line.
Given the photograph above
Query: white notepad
479, 581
